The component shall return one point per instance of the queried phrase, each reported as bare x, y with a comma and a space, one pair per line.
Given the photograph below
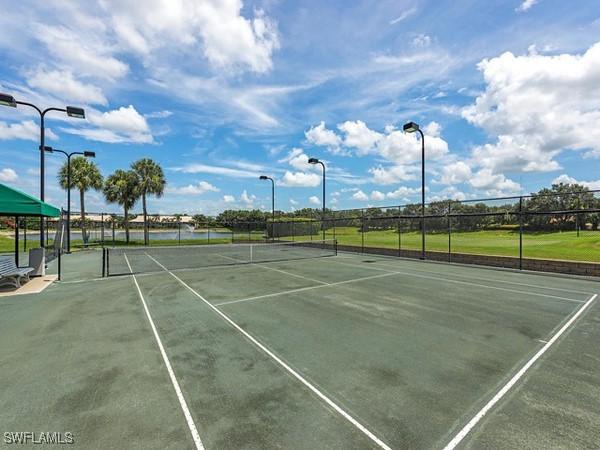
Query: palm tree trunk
146, 231
81, 201
126, 225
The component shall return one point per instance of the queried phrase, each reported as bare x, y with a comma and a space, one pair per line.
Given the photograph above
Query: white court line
291, 291
469, 283
502, 392
277, 270
174, 382
502, 281
279, 361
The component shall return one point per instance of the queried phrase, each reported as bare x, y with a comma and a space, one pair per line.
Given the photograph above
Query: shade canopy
17, 203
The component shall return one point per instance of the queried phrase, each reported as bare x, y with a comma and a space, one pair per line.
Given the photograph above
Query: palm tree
84, 176
122, 187
151, 180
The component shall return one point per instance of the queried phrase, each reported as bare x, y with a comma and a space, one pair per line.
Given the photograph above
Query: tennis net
127, 260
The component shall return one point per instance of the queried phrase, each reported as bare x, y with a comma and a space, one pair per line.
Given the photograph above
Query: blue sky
220, 92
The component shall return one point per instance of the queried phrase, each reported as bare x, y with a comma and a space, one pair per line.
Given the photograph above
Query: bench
12, 274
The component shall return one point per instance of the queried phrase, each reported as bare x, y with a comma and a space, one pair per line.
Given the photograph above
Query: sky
219, 92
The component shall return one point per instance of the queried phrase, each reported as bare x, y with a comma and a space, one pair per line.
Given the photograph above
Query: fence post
449, 232
577, 224
208, 233
334, 236
179, 232
520, 233
113, 229
399, 226
293, 231
25, 234
102, 229
362, 230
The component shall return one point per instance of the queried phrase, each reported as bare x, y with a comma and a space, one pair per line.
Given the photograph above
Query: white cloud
216, 170
402, 149
359, 136
27, 130
566, 179
455, 173
247, 199
403, 193
393, 174
124, 119
537, 106
314, 200
228, 198
8, 175
495, 185
421, 41
361, 196
377, 196
192, 189
526, 5
297, 159
159, 114
64, 85
228, 40
300, 179
406, 14
83, 50
320, 135
119, 125
293, 202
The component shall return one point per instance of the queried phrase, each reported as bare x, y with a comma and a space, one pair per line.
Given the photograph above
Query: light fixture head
410, 127
74, 111
313, 161
263, 177
48, 149
8, 100
89, 154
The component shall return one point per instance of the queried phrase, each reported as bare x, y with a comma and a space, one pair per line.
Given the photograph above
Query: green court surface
346, 351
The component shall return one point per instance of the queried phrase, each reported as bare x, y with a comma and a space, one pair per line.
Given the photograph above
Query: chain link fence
512, 232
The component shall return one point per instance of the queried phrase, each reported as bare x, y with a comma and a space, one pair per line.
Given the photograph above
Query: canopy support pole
17, 241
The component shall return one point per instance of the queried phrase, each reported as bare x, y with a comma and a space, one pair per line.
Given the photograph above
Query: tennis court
302, 347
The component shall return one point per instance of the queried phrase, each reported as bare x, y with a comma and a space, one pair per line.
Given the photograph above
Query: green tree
122, 187
84, 176
151, 181
561, 198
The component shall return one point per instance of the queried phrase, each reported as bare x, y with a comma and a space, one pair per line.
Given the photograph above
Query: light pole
412, 127
316, 161
72, 111
87, 154
264, 177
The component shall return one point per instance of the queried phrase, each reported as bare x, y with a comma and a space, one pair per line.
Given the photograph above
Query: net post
103, 262
335, 246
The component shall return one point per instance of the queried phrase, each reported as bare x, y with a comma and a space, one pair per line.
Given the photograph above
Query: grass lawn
558, 245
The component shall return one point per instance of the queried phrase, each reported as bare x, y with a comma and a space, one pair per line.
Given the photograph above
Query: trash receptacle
37, 260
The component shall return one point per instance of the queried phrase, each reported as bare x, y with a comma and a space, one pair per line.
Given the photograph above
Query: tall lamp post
72, 111
87, 154
412, 127
264, 177
316, 161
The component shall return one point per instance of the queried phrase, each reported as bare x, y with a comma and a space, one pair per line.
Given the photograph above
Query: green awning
17, 203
